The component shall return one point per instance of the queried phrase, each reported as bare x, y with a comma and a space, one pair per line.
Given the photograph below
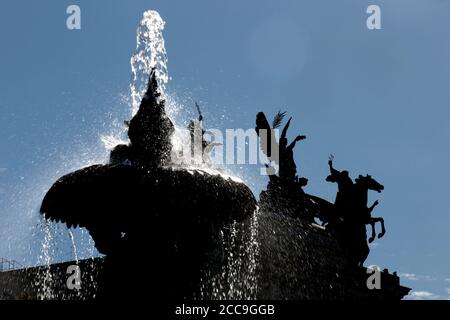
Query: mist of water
237, 279
45, 278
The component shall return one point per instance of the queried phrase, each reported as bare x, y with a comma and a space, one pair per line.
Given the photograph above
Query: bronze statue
279, 152
351, 214
206, 147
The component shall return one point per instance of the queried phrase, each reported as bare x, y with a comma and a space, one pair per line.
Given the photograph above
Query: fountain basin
172, 216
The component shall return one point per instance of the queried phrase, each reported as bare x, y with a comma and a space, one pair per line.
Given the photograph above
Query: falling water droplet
74, 246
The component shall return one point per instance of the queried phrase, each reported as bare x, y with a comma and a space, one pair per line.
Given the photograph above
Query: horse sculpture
362, 185
350, 213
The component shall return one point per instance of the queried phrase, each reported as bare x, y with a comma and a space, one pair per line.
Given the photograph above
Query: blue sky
378, 100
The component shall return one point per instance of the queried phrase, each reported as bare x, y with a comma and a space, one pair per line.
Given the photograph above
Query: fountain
180, 232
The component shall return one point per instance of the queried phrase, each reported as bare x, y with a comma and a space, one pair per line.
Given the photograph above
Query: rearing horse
361, 187
350, 213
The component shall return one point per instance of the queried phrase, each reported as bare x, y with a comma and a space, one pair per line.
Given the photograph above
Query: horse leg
383, 229
372, 224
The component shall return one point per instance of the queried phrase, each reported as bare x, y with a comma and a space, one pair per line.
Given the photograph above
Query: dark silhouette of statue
150, 129
288, 169
158, 225
197, 132
284, 191
362, 185
149, 132
279, 152
350, 214
345, 188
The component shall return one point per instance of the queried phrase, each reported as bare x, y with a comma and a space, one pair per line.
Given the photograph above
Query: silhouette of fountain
181, 232
140, 207
188, 233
